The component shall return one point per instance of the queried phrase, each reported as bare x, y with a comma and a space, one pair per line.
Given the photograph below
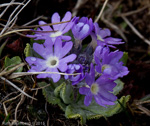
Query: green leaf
57, 90
124, 58
11, 62
118, 87
69, 33
145, 98
63, 95
94, 111
48, 93
36, 41
2, 47
29, 51
7, 118
123, 25
66, 93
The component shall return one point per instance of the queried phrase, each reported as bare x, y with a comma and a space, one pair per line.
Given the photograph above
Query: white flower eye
52, 62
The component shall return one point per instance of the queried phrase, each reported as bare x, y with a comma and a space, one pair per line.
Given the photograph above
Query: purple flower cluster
95, 66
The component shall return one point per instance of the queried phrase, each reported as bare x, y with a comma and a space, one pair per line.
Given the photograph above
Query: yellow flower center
58, 33
94, 88
104, 67
99, 38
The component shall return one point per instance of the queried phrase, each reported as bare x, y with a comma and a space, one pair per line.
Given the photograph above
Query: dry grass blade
19, 74
134, 12
114, 27
10, 17
99, 16
4, 72
32, 89
14, 3
6, 113
36, 26
28, 23
143, 109
77, 6
17, 123
20, 102
135, 30
14, 31
10, 20
9, 82
6, 9
8, 96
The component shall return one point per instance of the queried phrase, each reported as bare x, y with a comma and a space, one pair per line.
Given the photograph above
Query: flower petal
37, 68
84, 32
35, 61
55, 19
58, 47
84, 90
55, 77
48, 44
66, 38
67, 17
45, 28
66, 48
104, 93
63, 62
88, 99
98, 100
44, 52
60, 51
68, 58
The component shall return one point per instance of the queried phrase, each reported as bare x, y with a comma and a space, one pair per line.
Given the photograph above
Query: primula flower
100, 89
101, 37
57, 30
75, 68
53, 58
81, 29
108, 63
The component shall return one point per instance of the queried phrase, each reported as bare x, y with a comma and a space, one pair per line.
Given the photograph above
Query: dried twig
9, 82
47, 114
8, 96
6, 113
36, 26
6, 8
32, 89
77, 6
135, 30
13, 23
14, 31
4, 72
15, 122
28, 23
134, 11
19, 74
99, 16
114, 27
33, 26
145, 110
11, 20
21, 101
11, 3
